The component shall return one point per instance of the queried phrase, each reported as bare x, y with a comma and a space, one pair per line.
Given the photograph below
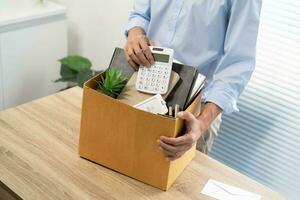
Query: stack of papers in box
198, 85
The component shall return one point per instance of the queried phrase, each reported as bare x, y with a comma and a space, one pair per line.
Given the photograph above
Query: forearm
208, 114
140, 16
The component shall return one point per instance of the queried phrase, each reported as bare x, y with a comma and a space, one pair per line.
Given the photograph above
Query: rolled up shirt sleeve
236, 65
139, 16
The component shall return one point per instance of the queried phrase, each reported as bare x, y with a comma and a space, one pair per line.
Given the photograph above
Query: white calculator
155, 79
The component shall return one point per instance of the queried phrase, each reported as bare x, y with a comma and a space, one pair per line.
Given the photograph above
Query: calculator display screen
161, 57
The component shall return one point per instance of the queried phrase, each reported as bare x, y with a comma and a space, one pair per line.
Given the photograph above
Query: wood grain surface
39, 160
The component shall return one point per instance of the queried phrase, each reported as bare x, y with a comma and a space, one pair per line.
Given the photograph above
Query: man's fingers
167, 153
133, 65
174, 155
130, 61
178, 155
173, 150
174, 141
186, 116
137, 48
140, 55
186, 139
167, 146
133, 56
147, 51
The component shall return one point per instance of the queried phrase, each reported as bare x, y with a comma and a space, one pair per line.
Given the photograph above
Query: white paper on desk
222, 191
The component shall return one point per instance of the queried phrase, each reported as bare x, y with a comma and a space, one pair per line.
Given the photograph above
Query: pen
170, 111
176, 109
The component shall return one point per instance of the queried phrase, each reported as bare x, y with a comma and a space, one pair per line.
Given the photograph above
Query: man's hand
174, 148
137, 49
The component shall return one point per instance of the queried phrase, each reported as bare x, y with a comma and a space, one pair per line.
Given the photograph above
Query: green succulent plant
113, 83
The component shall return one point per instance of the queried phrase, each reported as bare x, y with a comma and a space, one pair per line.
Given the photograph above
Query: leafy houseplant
75, 70
113, 83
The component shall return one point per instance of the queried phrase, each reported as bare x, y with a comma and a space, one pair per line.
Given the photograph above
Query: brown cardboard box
123, 138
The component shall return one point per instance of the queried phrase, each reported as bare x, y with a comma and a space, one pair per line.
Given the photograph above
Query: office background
263, 140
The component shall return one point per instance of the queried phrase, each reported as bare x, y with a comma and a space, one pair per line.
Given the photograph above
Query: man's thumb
186, 116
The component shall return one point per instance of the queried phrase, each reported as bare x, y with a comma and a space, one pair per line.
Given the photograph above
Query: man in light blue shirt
217, 36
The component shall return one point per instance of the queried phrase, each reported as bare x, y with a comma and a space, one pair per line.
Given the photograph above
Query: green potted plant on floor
75, 70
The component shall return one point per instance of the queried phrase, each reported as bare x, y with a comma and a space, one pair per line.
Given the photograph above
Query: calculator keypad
154, 79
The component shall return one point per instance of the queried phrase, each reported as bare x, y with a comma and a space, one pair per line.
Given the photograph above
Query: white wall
96, 27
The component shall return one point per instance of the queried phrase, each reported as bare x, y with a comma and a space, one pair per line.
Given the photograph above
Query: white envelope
222, 191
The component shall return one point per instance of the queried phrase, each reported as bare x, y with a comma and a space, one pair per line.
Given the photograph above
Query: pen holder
123, 138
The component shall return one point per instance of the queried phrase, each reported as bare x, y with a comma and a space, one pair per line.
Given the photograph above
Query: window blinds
263, 139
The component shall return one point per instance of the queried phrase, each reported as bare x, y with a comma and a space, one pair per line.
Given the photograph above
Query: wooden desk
39, 160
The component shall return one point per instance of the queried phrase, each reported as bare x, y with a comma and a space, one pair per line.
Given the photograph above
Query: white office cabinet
31, 42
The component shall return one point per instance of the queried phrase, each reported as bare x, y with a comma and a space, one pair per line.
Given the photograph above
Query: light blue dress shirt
217, 36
